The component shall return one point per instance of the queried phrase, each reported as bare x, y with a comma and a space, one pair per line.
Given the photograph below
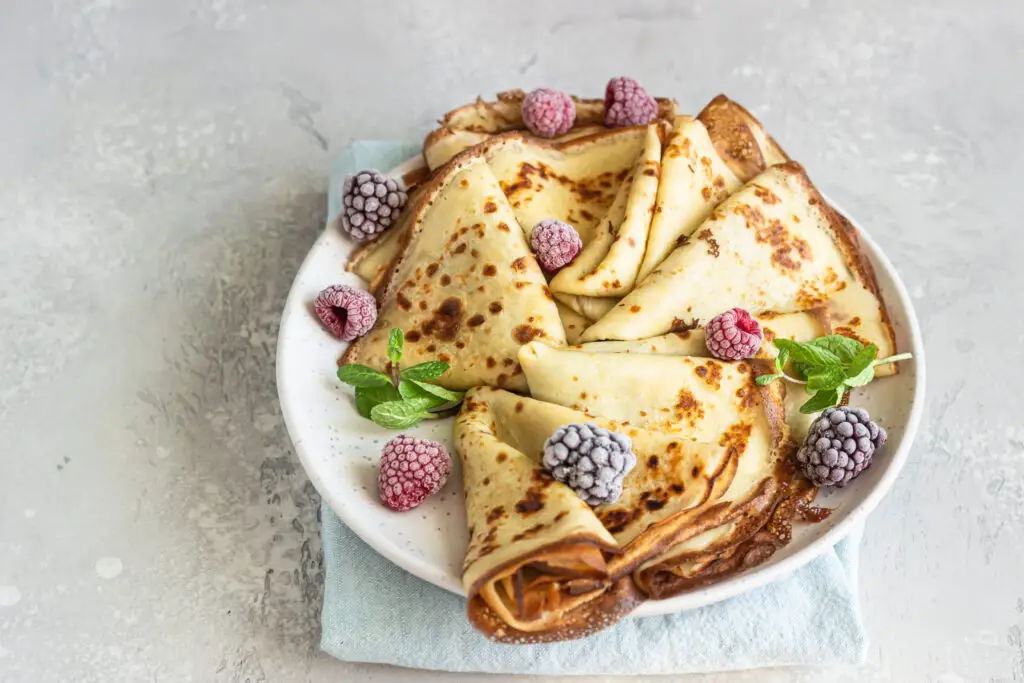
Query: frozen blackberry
590, 460
839, 446
370, 204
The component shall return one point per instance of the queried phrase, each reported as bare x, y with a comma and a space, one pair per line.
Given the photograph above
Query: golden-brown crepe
801, 327
466, 289
706, 159
773, 246
474, 123
607, 266
703, 399
539, 557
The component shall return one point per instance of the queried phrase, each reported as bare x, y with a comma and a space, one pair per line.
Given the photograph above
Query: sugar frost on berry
591, 460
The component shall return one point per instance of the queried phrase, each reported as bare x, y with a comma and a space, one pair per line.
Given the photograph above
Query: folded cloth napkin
376, 612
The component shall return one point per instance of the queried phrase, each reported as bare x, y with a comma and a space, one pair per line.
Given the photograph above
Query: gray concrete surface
162, 173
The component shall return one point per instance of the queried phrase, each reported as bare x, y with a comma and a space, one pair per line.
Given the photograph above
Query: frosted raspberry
370, 204
555, 243
626, 103
548, 112
410, 470
733, 335
345, 311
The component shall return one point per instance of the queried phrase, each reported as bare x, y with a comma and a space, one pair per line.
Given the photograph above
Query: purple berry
370, 204
626, 103
839, 446
733, 335
548, 112
590, 460
555, 243
347, 312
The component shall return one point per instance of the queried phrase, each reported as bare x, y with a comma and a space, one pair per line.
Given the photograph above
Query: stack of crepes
680, 220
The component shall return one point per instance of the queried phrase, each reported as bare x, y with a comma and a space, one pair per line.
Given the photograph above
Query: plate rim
728, 588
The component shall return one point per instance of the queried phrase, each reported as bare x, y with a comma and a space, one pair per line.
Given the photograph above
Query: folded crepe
775, 245
703, 399
607, 266
574, 181
802, 327
474, 123
706, 159
466, 289
541, 564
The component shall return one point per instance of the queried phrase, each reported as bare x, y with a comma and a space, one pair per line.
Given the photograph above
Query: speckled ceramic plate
339, 449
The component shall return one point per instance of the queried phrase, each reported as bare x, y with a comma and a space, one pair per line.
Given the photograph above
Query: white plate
339, 449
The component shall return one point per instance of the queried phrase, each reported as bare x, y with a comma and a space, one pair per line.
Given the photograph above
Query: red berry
548, 112
411, 469
626, 103
733, 335
555, 243
347, 312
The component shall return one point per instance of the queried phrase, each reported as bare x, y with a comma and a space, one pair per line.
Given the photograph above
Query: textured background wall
162, 173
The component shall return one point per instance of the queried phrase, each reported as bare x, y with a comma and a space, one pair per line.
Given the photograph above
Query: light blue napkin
376, 612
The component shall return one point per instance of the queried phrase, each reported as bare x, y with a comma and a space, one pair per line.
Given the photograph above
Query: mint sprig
406, 397
829, 366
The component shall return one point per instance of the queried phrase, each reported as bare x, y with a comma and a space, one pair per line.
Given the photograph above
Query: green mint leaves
829, 366
406, 397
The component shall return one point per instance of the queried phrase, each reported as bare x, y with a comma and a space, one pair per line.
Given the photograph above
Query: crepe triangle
773, 246
608, 264
706, 159
802, 327
466, 289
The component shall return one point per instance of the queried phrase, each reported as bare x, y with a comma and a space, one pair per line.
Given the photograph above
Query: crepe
706, 159
474, 123
702, 399
575, 182
773, 246
543, 566
466, 288
699, 396
802, 327
608, 264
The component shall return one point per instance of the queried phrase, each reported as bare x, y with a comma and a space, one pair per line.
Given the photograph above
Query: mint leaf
843, 347
410, 389
368, 397
362, 376
862, 378
802, 369
826, 398
827, 378
780, 360
862, 360
808, 353
447, 395
767, 379
425, 371
400, 414
396, 342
